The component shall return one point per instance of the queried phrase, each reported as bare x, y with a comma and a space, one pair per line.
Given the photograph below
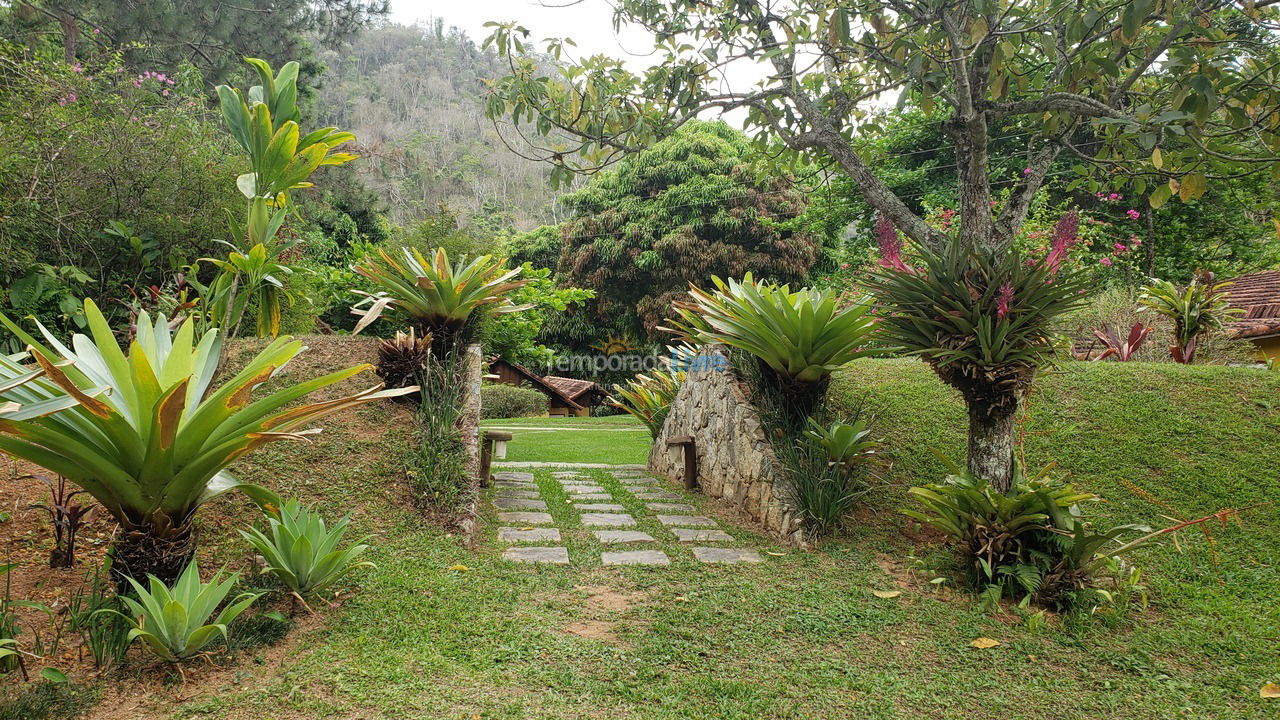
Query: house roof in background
539, 382
573, 387
1258, 295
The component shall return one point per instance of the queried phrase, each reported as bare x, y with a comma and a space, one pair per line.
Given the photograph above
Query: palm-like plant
1195, 310
800, 336
648, 397
439, 297
983, 320
172, 620
844, 443
1122, 349
302, 551
155, 445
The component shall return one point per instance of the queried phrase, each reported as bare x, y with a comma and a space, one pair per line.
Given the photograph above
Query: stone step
530, 554
526, 518
701, 535
726, 555
592, 519
618, 537
519, 504
635, 557
519, 535
686, 520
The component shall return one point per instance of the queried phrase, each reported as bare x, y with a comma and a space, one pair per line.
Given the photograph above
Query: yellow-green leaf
1270, 691
984, 643
1157, 158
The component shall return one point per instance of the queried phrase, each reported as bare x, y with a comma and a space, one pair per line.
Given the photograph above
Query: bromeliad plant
403, 358
302, 552
827, 467
438, 298
799, 337
648, 397
1195, 310
173, 621
154, 446
982, 319
281, 159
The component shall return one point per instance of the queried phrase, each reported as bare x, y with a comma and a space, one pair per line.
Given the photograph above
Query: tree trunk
139, 551
991, 443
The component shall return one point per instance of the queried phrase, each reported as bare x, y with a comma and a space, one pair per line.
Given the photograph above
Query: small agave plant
303, 552
173, 621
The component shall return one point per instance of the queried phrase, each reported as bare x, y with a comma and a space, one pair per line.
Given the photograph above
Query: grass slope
801, 635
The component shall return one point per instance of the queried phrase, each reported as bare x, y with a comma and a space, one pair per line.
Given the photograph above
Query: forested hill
413, 95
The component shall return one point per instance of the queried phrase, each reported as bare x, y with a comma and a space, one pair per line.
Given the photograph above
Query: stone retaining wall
736, 463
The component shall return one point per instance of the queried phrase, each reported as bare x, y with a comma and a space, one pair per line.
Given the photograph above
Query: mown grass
618, 439
801, 635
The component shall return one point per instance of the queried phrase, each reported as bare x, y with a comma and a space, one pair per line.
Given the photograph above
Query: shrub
437, 471
171, 620
827, 472
509, 401
302, 552
1195, 310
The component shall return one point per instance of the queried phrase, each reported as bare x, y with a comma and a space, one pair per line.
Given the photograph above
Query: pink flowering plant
982, 319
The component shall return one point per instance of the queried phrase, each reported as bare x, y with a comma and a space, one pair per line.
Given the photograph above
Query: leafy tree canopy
1153, 97
688, 208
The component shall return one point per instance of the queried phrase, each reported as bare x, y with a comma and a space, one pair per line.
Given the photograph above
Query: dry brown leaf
984, 643
886, 594
1270, 691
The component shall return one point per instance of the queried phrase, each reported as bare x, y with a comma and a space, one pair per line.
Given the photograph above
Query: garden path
621, 516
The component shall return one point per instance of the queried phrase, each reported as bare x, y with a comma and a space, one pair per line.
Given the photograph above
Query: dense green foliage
302, 551
688, 208
85, 146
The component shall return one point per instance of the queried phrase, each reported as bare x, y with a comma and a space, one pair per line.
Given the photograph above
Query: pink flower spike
890, 246
1003, 299
1065, 235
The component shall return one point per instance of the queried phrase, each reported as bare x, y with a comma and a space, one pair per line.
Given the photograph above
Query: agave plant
983, 319
403, 358
1195, 310
648, 397
156, 445
437, 297
174, 621
1122, 349
302, 552
801, 336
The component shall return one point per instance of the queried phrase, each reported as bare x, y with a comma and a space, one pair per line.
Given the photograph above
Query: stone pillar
471, 372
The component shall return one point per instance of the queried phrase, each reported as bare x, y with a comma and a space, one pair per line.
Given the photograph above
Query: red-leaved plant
1121, 350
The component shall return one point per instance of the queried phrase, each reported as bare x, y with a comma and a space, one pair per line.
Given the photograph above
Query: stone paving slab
602, 507
639, 489
591, 519
660, 495
616, 537
701, 535
671, 507
638, 480
635, 557
726, 555
582, 481
583, 489
509, 475
567, 474
519, 504
686, 520
528, 554
518, 535
526, 518
526, 494
516, 485
590, 497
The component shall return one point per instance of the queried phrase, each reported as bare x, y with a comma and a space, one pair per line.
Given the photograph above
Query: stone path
526, 525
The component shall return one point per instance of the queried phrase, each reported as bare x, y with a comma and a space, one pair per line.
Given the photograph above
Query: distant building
1258, 295
566, 397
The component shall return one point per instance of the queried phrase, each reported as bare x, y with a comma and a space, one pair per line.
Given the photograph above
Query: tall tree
1159, 97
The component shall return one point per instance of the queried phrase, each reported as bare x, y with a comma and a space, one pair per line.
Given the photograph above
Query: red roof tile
573, 387
1258, 295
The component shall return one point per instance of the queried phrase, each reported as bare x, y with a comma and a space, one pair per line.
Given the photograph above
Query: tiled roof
572, 387
540, 383
1258, 295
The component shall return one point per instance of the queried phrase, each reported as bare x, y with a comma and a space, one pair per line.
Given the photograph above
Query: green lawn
800, 635
617, 439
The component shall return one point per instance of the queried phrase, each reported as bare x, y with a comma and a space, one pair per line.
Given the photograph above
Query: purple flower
890, 246
1003, 299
